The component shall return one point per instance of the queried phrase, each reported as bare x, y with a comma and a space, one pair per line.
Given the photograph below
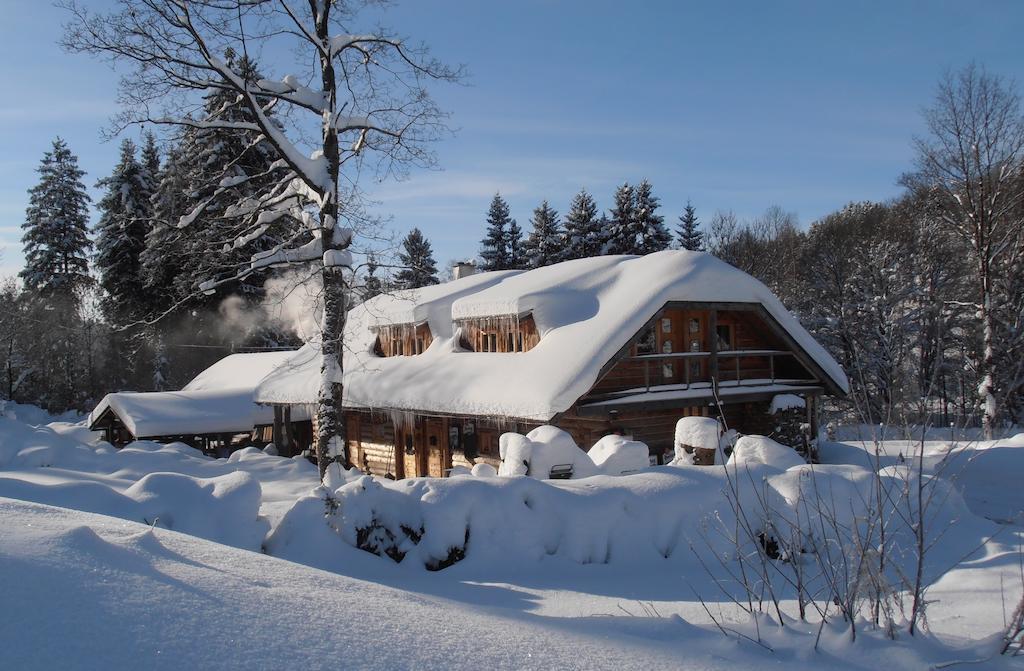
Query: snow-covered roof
218, 400
174, 413
585, 310
237, 371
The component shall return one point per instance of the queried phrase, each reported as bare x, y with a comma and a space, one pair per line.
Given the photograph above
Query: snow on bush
541, 449
632, 519
760, 450
616, 455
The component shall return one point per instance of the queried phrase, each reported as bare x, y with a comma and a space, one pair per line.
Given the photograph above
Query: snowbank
540, 451
750, 450
616, 455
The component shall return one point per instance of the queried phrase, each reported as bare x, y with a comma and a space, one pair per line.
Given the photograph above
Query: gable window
724, 334
646, 343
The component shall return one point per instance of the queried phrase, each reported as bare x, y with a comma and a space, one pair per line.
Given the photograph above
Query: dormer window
499, 334
402, 339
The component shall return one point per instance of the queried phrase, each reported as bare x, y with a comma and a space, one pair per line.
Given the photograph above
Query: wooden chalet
617, 343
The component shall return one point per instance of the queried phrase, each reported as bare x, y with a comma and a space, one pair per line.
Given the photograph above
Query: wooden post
276, 435
647, 374
737, 370
287, 434
713, 338
771, 367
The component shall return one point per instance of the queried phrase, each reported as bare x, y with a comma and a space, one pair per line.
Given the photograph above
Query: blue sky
733, 105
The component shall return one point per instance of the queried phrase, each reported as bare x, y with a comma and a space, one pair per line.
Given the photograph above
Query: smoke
292, 302
295, 300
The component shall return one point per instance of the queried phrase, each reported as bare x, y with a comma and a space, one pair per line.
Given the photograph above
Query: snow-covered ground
599, 572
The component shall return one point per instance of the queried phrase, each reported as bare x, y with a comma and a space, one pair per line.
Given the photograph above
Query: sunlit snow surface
600, 572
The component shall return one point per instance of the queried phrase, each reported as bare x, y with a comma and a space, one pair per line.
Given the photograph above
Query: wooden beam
713, 347
276, 436
287, 434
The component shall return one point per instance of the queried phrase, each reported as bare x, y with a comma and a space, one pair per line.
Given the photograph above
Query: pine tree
688, 233
545, 245
494, 247
418, 266
620, 237
582, 228
121, 236
56, 228
648, 226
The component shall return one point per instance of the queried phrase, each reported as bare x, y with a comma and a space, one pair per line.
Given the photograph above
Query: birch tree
354, 103
972, 160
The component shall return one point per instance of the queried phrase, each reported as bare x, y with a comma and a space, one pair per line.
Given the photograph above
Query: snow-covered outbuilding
212, 408
626, 344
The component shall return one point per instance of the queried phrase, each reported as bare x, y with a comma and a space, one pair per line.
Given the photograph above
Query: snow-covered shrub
541, 449
697, 440
616, 455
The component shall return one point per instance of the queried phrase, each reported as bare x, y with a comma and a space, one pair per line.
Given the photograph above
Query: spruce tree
494, 247
648, 226
582, 229
517, 259
56, 228
688, 232
418, 266
545, 245
620, 236
121, 236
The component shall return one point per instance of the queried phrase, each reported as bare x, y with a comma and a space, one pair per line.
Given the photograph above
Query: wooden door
435, 435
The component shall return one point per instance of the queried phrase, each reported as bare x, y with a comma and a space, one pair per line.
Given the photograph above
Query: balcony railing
735, 367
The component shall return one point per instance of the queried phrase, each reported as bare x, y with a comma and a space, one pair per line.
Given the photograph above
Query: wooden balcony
730, 367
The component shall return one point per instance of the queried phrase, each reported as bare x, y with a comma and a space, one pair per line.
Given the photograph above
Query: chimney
463, 269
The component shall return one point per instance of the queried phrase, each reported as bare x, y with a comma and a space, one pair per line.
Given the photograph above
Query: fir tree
517, 259
620, 236
56, 228
372, 284
688, 233
494, 247
546, 242
121, 236
649, 229
582, 228
418, 266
